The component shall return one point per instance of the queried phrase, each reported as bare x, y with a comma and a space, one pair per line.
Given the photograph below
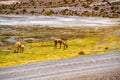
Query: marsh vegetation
39, 42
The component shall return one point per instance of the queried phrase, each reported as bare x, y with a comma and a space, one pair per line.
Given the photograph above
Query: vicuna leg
16, 50
55, 44
65, 45
22, 48
60, 44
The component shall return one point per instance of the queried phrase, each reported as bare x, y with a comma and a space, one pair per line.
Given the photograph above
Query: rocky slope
102, 8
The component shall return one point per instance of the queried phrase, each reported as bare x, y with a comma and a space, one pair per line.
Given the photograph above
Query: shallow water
56, 21
12, 39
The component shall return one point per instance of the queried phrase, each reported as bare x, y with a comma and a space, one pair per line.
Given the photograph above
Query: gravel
92, 67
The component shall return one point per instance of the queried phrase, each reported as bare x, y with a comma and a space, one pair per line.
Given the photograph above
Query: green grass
39, 51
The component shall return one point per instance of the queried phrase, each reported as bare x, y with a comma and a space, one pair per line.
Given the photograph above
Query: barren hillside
102, 8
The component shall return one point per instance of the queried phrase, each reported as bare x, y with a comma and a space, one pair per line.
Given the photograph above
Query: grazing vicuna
60, 41
19, 47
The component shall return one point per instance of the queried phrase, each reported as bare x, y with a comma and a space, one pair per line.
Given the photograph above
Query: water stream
57, 21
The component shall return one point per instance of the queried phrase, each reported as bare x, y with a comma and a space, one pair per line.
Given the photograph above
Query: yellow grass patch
39, 51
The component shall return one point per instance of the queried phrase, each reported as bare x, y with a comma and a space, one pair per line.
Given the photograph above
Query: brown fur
19, 47
60, 41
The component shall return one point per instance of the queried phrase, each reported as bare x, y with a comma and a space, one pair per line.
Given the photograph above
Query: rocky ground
101, 8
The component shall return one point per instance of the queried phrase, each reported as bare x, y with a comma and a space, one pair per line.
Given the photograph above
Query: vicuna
19, 47
60, 42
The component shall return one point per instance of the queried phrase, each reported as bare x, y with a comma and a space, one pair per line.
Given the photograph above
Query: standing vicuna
19, 47
60, 41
